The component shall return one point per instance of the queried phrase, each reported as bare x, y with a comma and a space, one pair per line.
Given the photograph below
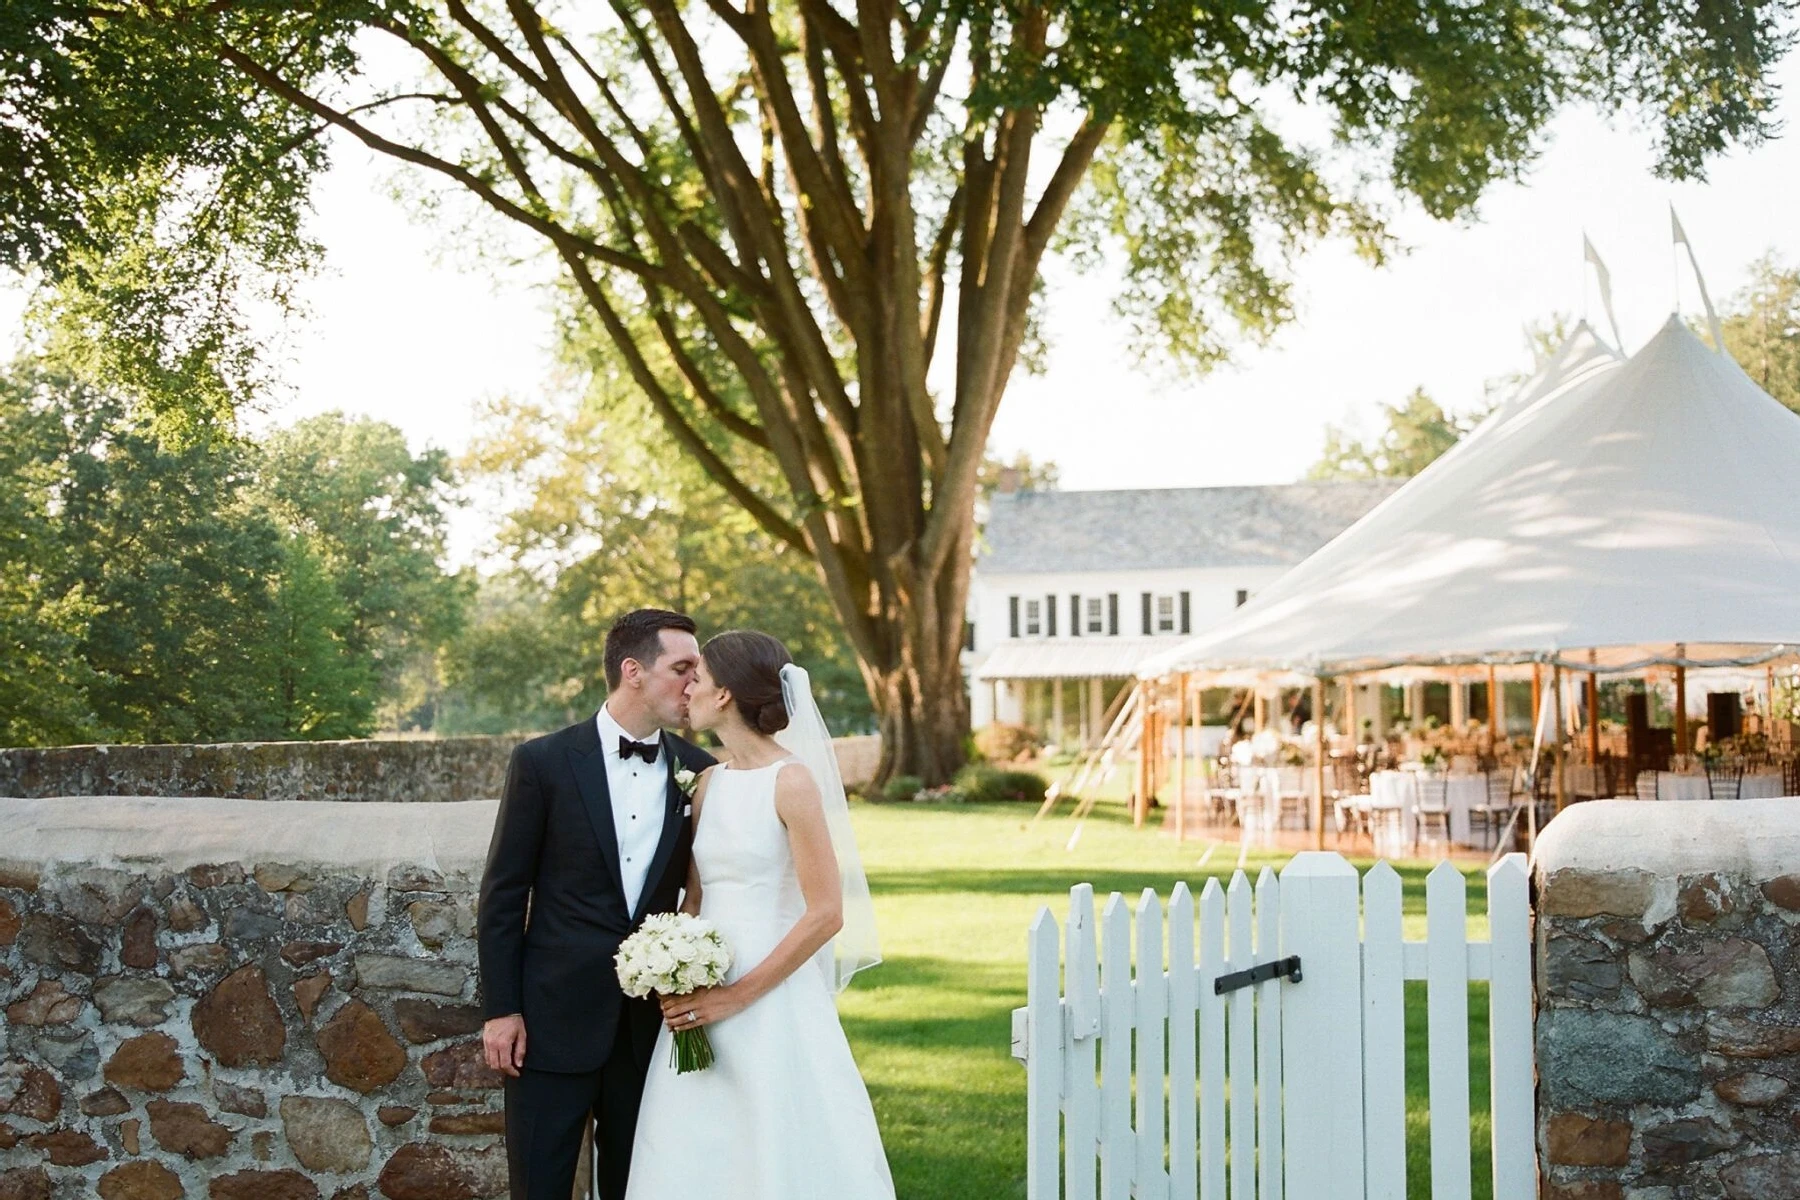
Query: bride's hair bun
772, 717
748, 665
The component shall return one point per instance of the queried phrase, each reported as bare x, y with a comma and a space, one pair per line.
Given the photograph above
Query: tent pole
1262, 710
1556, 685
1181, 688
1537, 690
1199, 761
1318, 805
1493, 709
1350, 726
1681, 720
1593, 714
1768, 714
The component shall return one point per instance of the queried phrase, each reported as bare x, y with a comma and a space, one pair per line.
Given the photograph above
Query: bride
782, 1114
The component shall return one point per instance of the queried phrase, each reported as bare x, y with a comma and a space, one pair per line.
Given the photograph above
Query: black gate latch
1281, 968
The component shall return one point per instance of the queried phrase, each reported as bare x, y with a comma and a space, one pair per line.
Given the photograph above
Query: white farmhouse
1072, 589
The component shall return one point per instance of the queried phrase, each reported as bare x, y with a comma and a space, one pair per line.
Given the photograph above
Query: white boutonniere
684, 779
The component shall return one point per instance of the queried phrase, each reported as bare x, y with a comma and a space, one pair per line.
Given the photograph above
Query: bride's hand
704, 1006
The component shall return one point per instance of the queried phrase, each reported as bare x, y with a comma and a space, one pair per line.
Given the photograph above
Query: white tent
1581, 356
1625, 515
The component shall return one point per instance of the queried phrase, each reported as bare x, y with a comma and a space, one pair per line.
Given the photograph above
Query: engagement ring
690, 1015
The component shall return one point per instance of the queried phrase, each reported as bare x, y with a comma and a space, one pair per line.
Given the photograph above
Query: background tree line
1761, 325
166, 587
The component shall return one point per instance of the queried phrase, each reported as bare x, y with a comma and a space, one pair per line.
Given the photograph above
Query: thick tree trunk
923, 710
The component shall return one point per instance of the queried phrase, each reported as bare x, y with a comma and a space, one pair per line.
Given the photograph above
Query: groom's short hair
638, 634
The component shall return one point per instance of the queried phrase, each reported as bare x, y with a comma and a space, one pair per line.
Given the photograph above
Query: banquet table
1399, 790
1683, 785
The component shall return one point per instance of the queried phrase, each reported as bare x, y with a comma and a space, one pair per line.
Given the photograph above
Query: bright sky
409, 329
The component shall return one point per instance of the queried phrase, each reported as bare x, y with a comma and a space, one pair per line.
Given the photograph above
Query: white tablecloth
1759, 785
1399, 790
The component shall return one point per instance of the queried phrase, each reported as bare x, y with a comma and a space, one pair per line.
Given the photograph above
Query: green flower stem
691, 1051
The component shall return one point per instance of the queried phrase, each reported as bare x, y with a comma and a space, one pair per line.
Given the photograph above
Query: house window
1165, 614
1096, 615
1034, 618
1243, 596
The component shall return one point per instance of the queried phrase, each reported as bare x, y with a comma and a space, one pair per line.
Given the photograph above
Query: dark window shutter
1112, 613
1012, 612
1242, 597
1184, 612
969, 635
1050, 615
1074, 616
1148, 627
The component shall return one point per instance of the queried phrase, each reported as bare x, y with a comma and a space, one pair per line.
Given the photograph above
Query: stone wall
1668, 1031
398, 770
185, 1018
395, 770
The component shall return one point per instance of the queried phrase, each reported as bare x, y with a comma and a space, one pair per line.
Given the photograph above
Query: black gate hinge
1281, 968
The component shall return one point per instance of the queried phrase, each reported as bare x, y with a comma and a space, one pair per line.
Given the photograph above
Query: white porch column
1459, 703
1056, 711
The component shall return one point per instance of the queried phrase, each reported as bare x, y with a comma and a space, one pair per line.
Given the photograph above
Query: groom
590, 838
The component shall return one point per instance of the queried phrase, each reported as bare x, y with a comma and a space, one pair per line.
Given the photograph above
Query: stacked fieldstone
276, 1034
436, 770
1669, 1015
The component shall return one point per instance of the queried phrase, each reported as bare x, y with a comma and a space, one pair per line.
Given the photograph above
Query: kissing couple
615, 818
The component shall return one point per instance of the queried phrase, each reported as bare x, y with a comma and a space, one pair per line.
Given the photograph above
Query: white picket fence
1154, 1086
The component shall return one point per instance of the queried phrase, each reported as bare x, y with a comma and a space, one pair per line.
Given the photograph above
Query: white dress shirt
639, 799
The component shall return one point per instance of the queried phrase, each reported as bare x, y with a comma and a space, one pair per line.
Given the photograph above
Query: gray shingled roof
1147, 528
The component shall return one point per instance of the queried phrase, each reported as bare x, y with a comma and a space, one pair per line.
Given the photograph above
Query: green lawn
955, 888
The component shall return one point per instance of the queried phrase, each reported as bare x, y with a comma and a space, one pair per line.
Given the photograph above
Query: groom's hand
503, 1044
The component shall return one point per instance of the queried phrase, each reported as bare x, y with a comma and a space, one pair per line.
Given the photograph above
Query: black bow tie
644, 750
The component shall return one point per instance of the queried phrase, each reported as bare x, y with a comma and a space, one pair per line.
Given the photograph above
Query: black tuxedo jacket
552, 910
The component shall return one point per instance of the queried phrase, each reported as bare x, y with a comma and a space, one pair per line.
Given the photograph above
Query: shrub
985, 784
1000, 742
902, 787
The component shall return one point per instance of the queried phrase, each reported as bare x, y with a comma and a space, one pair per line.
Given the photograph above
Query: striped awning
1070, 658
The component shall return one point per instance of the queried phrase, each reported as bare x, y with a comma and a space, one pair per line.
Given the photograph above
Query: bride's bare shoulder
795, 785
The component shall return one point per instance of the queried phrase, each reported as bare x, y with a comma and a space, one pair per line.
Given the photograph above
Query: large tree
1417, 433
779, 213
375, 516
1762, 328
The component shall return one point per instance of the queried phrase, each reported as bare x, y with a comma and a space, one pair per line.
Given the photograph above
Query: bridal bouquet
674, 954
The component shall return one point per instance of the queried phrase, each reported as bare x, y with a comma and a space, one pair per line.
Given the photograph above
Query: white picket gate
1155, 1085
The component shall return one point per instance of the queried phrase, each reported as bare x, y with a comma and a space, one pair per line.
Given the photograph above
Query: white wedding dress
782, 1114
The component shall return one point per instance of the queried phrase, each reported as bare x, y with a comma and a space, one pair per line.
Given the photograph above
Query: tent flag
1712, 317
1604, 277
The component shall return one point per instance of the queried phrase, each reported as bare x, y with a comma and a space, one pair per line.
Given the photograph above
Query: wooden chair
1724, 780
1488, 821
1431, 814
1296, 798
